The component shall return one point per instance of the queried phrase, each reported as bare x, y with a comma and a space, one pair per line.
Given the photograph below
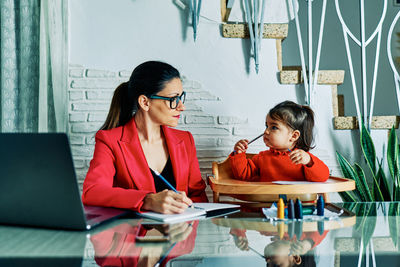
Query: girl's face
279, 136
161, 111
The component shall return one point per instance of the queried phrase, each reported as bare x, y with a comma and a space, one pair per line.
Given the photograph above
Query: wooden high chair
223, 183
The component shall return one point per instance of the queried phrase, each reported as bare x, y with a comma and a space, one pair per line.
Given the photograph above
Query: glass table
366, 234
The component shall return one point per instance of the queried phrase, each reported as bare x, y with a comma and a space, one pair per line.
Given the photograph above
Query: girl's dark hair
147, 79
307, 260
297, 117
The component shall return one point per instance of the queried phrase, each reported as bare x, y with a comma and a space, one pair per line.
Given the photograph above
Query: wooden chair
223, 183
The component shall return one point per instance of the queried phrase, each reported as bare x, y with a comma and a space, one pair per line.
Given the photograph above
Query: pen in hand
165, 181
251, 141
168, 184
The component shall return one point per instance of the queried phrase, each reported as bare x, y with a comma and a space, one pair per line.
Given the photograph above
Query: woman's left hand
299, 156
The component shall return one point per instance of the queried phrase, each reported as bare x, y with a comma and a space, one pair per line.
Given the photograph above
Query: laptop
38, 185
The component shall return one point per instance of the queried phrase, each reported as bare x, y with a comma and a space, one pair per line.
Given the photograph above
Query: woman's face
160, 110
278, 135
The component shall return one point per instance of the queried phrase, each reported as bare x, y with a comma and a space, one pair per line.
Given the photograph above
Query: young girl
288, 134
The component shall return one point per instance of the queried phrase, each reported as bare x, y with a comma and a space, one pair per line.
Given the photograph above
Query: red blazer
272, 165
119, 175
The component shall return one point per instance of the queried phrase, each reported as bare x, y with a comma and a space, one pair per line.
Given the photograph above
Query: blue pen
166, 253
165, 181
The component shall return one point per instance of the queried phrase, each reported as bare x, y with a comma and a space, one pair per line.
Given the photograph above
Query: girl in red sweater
289, 136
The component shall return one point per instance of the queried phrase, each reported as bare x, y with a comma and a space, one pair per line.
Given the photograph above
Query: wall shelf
293, 75
241, 30
378, 122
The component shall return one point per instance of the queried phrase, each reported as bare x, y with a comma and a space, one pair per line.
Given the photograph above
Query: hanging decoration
194, 10
253, 17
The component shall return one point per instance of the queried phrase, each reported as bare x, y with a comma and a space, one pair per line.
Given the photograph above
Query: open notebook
198, 209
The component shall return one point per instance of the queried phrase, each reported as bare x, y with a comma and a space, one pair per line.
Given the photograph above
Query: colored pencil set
296, 210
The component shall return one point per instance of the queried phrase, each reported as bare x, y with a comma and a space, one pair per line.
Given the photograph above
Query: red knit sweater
272, 165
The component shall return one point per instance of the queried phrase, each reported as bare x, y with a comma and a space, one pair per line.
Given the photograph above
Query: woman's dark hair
297, 117
147, 79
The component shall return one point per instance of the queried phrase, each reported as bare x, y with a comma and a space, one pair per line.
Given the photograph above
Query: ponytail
306, 138
120, 110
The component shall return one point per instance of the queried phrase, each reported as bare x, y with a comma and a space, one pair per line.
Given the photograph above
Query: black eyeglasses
173, 101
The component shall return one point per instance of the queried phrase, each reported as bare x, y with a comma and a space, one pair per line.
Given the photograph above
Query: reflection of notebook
38, 186
199, 209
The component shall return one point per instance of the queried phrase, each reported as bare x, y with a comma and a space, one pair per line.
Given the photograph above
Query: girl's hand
299, 156
167, 202
241, 242
241, 146
300, 247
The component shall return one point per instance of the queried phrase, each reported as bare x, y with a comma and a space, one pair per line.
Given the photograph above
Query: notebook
38, 186
198, 210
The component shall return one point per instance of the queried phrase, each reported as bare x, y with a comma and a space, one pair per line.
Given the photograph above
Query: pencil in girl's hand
251, 141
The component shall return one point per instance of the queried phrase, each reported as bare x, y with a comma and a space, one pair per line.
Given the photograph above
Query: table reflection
291, 242
118, 246
366, 235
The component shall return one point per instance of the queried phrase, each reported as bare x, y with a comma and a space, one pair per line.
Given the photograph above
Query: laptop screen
38, 186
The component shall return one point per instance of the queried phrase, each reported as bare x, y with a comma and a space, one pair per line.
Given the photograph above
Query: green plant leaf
378, 195
350, 206
394, 222
392, 159
350, 173
361, 212
368, 148
396, 180
348, 196
369, 224
363, 182
382, 184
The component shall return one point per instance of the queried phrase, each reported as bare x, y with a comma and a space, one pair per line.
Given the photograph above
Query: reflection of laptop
38, 186
32, 247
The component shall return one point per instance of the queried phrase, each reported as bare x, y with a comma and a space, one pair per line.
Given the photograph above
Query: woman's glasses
173, 101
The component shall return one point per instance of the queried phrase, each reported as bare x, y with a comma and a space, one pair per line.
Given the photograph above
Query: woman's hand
299, 156
241, 146
167, 202
177, 232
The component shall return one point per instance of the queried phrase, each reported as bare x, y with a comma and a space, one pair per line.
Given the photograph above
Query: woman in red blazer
135, 142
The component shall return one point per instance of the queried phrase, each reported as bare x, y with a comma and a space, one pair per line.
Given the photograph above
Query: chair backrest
222, 170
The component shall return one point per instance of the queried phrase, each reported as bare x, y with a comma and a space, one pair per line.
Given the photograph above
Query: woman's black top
168, 174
